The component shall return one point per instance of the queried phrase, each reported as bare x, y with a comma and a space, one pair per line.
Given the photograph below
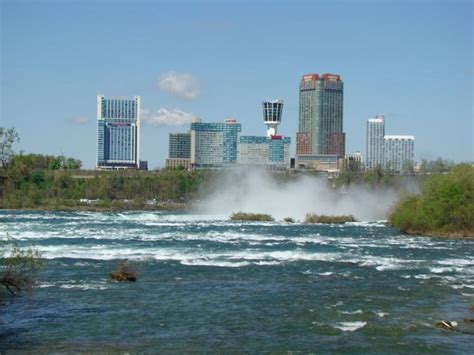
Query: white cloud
80, 120
183, 85
164, 117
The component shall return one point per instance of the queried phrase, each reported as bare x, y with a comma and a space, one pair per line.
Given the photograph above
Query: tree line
35, 181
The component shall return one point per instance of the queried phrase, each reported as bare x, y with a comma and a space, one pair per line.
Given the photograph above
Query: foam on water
216, 241
350, 326
76, 285
359, 311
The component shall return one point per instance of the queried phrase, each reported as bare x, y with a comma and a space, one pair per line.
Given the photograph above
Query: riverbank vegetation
18, 272
44, 182
242, 216
445, 206
314, 218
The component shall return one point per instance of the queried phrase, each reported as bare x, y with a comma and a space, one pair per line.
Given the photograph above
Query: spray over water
259, 191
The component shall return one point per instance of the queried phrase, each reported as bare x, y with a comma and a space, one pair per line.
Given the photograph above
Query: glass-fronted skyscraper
320, 125
214, 145
118, 133
180, 145
399, 152
375, 143
273, 152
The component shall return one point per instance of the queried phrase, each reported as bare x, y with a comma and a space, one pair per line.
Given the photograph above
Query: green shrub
242, 216
314, 218
445, 205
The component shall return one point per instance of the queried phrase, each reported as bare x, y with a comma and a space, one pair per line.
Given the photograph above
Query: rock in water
123, 272
446, 324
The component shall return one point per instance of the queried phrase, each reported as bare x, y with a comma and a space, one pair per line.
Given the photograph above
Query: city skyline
185, 72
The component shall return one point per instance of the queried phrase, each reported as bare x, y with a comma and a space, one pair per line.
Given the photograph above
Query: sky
411, 61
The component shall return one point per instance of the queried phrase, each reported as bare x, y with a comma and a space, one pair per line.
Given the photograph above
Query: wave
457, 262
359, 311
237, 256
213, 240
350, 326
457, 287
75, 285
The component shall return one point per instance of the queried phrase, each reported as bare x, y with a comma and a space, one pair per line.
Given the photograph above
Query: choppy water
209, 285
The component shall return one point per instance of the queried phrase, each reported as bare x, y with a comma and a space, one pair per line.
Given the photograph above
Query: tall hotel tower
118, 133
320, 131
375, 142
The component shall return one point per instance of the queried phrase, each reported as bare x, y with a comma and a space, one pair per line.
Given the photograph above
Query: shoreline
441, 234
171, 207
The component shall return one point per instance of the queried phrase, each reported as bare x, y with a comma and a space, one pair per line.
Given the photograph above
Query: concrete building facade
399, 153
375, 143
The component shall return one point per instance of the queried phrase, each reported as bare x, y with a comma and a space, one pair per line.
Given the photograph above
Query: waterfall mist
259, 191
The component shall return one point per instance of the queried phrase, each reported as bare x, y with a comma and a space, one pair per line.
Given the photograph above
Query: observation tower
272, 110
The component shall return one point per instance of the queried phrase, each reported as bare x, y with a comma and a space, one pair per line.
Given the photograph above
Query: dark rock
446, 324
123, 272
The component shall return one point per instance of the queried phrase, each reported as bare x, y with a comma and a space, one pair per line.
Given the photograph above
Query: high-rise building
180, 145
118, 133
179, 155
214, 145
399, 153
272, 110
375, 142
273, 152
320, 126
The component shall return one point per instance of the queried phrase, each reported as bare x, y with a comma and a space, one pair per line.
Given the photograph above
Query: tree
72, 164
7, 138
18, 271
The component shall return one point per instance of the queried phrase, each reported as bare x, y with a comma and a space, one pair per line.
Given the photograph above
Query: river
206, 284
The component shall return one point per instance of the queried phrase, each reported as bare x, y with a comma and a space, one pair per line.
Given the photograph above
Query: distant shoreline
171, 207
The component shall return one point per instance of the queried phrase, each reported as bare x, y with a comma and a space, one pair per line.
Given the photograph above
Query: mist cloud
183, 85
164, 117
258, 191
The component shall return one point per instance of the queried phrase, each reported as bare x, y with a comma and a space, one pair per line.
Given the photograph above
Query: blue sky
409, 60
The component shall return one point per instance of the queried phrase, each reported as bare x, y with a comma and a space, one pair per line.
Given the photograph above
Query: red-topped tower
320, 125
